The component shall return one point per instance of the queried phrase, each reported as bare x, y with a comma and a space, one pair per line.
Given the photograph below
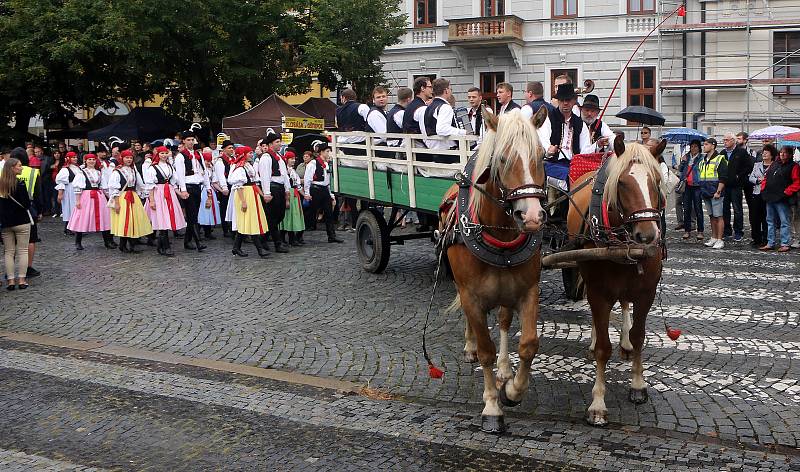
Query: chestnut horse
511, 160
634, 198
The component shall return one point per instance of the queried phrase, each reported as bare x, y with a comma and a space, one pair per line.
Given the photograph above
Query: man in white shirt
377, 118
439, 120
394, 118
191, 177
275, 185
222, 168
316, 187
600, 134
475, 113
504, 93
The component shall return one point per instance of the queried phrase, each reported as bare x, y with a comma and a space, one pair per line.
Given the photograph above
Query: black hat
591, 102
271, 136
20, 154
566, 92
188, 134
319, 146
227, 143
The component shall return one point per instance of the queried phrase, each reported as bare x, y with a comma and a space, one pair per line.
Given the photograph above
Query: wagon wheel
372, 241
574, 288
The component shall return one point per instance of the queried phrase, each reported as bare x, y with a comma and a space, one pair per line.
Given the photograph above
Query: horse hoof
638, 396
493, 424
625, 354
504, 398
470, 357
597, 419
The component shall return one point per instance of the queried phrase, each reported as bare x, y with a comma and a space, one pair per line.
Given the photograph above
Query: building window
564, 8
786, 66
425, 13
489, 81
493, 7
642, 86
636, 7
571, 73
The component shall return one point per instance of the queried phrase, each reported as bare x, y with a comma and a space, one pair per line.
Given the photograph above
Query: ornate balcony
488, 30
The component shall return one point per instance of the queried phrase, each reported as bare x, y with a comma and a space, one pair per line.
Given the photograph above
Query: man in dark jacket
739, 167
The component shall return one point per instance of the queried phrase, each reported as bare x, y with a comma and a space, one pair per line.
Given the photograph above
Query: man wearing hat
191, 176
599, 132
222, 169
276, 186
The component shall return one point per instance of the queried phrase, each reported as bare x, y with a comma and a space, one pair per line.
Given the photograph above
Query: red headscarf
241, 155
92, 156
157, 153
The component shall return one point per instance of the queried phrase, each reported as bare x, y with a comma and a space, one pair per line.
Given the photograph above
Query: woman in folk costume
128, 219
208, 215
248, 203
163, 206
293, 223
91, 213
66, 190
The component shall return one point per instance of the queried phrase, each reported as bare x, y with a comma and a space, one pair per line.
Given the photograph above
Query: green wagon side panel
430, 190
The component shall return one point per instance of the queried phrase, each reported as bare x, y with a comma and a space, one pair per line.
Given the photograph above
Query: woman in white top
248, 213
163, 206
66, 191
128, 219
91, 214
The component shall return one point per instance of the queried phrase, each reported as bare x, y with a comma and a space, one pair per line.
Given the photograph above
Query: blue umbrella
683, 135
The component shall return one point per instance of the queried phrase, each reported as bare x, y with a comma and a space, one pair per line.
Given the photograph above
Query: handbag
30, 218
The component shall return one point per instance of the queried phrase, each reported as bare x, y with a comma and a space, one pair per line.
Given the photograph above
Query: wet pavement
724, 396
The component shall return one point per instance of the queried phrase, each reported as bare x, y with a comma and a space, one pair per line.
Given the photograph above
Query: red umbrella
791, 137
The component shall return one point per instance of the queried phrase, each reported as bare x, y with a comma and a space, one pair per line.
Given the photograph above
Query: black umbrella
301, 144
643, 115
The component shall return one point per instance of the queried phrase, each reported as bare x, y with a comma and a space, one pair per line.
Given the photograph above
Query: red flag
682, 10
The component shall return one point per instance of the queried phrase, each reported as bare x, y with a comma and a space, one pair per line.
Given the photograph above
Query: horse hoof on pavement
493, 424
638, 396
504, 398
470, 357
596, 418
625, 354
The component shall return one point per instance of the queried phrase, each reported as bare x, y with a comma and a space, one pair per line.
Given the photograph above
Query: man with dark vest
394, 118
316, 187
351, 116
423, 89
439, 120
534, 92
475, 113
504, 93
600, 134
378, 119
222, 168
275, 185
190, 174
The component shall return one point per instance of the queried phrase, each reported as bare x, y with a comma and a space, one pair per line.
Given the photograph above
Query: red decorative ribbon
95, 195
492, 241
170, 207
258, 212
128, 210
213, 210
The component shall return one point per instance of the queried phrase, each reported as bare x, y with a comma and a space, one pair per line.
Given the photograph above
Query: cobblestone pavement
725, 395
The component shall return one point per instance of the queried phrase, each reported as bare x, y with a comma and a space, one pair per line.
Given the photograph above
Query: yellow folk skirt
131, 221
254, 220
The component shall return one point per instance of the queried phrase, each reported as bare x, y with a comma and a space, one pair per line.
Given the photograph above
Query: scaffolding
679, 41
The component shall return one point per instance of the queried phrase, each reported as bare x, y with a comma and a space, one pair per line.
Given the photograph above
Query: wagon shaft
620, 254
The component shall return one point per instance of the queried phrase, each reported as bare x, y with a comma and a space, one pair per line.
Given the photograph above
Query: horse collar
480, 243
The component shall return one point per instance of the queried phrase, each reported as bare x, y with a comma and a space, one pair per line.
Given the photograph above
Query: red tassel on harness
674, 333
682, 10
435, 372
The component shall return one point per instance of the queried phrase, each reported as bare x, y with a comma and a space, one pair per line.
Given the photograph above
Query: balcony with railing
490, 30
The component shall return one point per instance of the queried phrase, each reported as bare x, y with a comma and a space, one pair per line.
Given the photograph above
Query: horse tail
455, 306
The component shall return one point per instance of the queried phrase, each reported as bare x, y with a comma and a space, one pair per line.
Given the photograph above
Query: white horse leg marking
504, 371
490, 399
594, 339
627, 324
470, 347
597, 410
637, 379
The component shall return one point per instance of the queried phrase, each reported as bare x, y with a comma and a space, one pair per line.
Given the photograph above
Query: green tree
345, 39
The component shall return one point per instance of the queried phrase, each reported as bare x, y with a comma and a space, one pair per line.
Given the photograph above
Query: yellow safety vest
29, 175
708, 170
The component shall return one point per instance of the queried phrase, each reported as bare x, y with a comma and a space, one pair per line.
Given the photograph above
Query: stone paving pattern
732, 377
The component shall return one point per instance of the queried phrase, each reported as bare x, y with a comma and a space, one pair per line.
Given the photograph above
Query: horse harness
462, 225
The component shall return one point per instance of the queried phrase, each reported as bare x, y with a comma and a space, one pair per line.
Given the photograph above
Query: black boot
151, 239
123, 245
283, 236
237, 246
300, 241
200, 246
163, 239
132, 246
66, 231
207, 230
78, 239
292, 239
260, 248
108, 240
276, 238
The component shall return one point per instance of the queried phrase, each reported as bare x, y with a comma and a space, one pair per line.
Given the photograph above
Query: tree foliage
204, 57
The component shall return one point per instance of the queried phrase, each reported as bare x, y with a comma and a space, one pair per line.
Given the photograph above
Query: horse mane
515, 138
635, 153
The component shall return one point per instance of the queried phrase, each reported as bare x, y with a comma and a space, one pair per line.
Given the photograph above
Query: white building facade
713, 69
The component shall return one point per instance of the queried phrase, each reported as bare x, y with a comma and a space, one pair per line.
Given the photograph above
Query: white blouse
238, 176
132, 181
151, 177
95, 179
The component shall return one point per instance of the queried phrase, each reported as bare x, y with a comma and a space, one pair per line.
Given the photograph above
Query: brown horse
634, 198
510, 160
